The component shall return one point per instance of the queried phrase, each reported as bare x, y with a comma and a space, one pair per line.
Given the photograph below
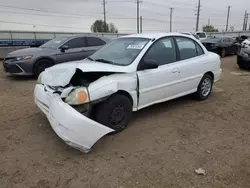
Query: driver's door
75, 52
157, 85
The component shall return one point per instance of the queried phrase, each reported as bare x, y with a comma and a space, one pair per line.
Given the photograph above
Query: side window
231, 40
76, 43
93, 41
199, 50
225, 40
162, 52
187, 48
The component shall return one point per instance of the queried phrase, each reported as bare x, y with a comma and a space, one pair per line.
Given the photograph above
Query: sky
79, 15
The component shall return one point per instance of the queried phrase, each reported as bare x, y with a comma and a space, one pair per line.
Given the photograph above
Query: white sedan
87, 99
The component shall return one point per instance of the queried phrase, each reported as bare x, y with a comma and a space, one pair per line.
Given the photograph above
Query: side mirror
64, 48
148, 64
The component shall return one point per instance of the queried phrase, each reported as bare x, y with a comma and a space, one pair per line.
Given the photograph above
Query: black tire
115, 112
41, 65
203, 93
243, 66
223, 52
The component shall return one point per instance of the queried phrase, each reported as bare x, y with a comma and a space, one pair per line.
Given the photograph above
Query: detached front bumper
74, 128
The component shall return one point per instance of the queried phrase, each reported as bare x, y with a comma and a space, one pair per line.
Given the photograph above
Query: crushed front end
68, 110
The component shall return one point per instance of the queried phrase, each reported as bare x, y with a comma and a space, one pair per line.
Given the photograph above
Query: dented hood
60, 75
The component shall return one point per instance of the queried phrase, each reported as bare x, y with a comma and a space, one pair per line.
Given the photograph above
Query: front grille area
9, 59
11, 68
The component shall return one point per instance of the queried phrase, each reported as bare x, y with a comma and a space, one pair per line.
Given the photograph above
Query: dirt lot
161, 148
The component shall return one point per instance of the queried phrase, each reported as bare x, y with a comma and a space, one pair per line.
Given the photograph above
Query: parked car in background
88, 99
191, 34
222, 45
33, 61
201, 35
243, 58
241, 38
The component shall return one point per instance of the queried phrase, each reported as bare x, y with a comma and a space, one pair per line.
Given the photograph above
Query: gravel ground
162, 147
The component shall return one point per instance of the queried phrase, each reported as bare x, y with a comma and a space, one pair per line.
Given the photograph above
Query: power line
228, 13
55, 26
47, 11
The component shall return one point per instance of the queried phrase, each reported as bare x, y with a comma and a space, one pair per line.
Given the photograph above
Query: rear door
75, 52
233, 46
227, 45
191, 65
93, 44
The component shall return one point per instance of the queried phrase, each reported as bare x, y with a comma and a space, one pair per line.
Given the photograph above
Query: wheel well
125, 93
37, 61
210, 73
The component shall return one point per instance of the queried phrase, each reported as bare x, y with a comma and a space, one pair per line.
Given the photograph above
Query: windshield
201, 35
54, 43
121, 51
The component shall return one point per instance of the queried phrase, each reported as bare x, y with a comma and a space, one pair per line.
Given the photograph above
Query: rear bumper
74, 128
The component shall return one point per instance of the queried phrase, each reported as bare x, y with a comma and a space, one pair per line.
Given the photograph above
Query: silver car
33, 61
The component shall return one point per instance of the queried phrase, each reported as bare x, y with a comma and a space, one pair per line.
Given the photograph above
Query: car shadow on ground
21, 78
163, 107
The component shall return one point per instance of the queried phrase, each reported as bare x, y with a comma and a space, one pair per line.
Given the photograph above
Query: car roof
77, 36
153, 35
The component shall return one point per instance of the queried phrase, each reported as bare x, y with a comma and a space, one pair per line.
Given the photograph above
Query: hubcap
206, 87
117, 116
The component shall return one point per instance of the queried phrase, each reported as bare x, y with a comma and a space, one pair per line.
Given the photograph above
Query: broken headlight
77, 96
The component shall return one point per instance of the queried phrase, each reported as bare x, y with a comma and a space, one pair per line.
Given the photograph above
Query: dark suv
32, 61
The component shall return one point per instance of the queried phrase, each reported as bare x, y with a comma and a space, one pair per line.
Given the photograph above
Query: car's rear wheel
41, 65
115, 112
204, 88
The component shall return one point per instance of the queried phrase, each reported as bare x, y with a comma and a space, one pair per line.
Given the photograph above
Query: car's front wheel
115, 112
41, 65
205, 87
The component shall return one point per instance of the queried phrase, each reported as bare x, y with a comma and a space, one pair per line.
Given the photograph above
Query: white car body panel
109, 85
145, 88
81, 133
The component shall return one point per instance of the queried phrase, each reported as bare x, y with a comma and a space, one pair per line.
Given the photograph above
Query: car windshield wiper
90, 58
104, 61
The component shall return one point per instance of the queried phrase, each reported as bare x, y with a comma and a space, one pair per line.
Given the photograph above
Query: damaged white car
85, 100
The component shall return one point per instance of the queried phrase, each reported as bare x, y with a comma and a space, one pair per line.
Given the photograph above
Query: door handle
175, 71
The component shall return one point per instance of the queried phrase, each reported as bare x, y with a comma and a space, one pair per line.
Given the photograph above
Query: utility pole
140, 24
138, 15
244, 22
198, 15
171, 14
208, 21
228, 13
104, 15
